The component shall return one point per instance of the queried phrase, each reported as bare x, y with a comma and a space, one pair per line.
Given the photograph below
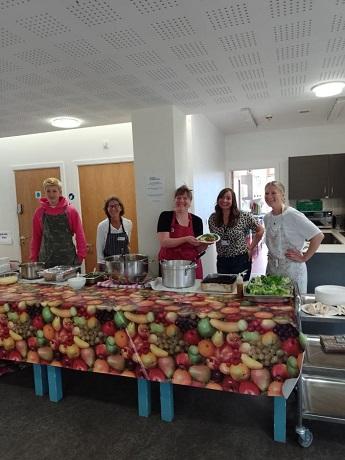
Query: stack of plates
330, 294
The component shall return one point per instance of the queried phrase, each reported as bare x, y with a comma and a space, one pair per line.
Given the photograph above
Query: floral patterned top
233, 239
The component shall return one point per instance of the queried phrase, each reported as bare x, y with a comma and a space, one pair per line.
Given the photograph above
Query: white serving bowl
330, 294
77, 282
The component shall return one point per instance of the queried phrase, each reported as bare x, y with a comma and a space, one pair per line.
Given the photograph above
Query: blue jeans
235, 265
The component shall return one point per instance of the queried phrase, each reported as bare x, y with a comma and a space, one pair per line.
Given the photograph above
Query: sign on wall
5, 237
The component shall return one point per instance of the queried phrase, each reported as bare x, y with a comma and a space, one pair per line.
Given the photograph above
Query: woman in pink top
55, 223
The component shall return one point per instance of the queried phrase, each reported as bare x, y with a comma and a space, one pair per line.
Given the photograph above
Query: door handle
89, 247
22, 239
332, 190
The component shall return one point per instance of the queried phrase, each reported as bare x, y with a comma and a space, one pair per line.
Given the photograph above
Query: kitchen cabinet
316, 176
336, 175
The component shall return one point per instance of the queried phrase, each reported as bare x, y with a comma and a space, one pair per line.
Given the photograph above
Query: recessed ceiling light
65, 122
331, 88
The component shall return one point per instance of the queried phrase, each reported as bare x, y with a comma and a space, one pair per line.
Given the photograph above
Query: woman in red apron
177, 231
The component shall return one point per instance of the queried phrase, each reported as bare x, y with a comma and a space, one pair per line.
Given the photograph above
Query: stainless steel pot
127, 268
178, 273
29, 270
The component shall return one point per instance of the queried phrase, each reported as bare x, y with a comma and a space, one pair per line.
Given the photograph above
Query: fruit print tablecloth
202, 340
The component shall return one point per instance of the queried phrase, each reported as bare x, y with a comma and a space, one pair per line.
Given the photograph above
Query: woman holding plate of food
232, 226
178, 231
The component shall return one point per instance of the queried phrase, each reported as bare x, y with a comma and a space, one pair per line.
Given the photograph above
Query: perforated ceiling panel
103, 59
173, 28
43, 25
4, 4
153, 6
36, 57
91, 12
230, 16
123, 39
78, 48
8, 38
106, 65
189, 50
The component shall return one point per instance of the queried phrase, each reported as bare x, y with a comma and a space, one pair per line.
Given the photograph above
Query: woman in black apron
113, 233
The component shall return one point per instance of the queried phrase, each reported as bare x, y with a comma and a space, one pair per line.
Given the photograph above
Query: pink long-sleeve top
75, 225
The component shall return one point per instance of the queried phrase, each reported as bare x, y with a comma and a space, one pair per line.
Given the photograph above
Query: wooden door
28, 183
97, 183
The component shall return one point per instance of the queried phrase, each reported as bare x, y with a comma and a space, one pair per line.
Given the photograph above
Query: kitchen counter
327, 264
332, 248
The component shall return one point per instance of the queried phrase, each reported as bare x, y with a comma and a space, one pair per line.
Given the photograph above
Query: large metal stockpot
127, 268
29, 270
178, 273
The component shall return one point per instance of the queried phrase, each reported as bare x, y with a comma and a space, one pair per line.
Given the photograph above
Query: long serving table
203, 340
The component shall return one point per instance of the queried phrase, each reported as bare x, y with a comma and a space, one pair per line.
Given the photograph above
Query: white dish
200, 238
319, 309
330, 294
77, 283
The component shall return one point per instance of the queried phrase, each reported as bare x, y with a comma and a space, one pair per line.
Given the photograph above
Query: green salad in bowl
272, 285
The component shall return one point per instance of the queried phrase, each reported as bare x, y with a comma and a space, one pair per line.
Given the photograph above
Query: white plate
200, 238
330, 294
319, 309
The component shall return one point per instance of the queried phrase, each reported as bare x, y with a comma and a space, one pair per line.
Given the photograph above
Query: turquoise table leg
279, 419
40, 379
144, 397
55, 383
167, 401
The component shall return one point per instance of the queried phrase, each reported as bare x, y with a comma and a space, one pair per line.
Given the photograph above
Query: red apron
185, 251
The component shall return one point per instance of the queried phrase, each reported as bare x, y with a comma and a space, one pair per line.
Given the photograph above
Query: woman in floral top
232, 225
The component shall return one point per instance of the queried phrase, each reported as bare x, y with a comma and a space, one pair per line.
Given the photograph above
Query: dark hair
184, 190
234, 211
106, 204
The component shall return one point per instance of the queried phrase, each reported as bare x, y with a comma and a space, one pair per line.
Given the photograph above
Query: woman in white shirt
286, 231
114, 232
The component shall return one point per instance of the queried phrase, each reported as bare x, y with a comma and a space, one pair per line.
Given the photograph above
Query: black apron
116, 243
57, 246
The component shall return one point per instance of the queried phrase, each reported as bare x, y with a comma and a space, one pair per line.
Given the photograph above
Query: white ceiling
101, 59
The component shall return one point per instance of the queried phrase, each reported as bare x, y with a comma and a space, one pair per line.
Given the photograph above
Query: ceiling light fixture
65, 122
331, 88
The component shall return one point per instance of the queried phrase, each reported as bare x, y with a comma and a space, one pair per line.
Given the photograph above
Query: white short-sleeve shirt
294, 227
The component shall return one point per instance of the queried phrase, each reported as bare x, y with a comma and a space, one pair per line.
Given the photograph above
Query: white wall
207, 145
66, 147
158, 139
264, 149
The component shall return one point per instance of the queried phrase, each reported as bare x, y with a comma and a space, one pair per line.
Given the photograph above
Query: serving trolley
321, 387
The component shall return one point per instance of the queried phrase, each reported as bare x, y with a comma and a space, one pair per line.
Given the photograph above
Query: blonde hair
52, 182
279, 185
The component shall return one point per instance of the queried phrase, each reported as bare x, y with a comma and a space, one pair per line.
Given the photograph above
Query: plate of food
319, 309
208, 238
